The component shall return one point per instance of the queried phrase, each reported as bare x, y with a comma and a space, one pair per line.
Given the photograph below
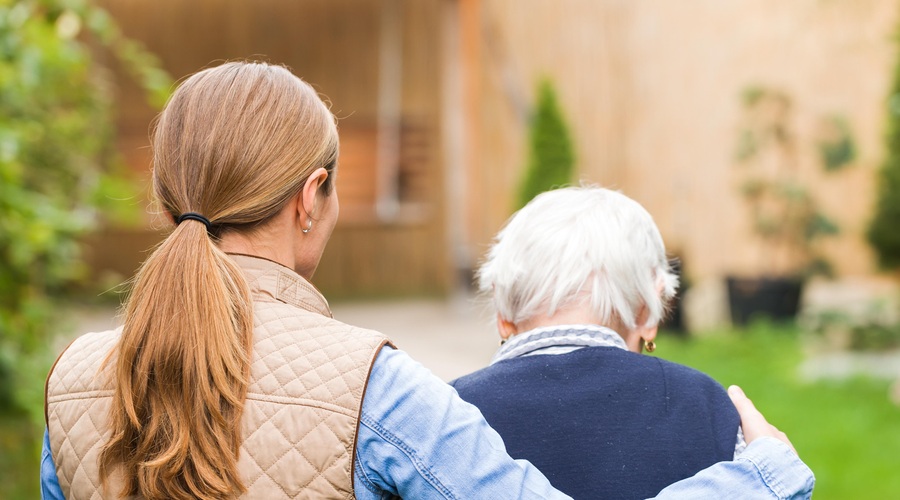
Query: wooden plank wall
334, 45
651, 89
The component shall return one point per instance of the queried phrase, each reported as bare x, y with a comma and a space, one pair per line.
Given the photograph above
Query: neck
262, 242
241, 245
561, 317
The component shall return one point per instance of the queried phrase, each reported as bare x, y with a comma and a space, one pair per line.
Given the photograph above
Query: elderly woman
230, 378
580, 281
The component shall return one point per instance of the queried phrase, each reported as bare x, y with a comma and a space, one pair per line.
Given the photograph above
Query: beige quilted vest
308, 376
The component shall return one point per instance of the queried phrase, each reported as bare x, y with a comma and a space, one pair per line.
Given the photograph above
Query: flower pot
776, 298
674, 321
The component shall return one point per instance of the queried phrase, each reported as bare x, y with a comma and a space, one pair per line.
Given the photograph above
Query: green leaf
837, 149
57, 166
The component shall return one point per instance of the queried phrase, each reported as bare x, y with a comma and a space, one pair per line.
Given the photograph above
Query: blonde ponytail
181, 374
182, 364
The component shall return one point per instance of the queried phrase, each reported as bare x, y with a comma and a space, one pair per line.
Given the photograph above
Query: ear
648, 333
635, 337
506, 328
310, 191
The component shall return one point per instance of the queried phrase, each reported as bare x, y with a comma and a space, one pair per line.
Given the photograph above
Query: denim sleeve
418, 439
50, 489
767, 469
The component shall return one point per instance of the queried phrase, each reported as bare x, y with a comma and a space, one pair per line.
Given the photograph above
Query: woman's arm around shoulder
418, 439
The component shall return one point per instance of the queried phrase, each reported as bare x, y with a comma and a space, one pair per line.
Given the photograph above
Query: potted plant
783, 213
675, 320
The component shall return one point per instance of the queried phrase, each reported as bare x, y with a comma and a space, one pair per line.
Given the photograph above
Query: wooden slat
334, 45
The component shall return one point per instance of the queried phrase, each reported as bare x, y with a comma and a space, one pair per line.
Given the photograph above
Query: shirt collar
558, 339
269, 279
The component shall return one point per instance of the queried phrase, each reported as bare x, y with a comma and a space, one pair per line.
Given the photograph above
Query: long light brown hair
235, 143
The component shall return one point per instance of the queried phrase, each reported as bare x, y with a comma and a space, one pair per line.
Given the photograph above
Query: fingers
750, 417
743, 404
753, 422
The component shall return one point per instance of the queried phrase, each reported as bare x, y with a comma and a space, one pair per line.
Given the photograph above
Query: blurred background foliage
60, 176
551, 156
884, 230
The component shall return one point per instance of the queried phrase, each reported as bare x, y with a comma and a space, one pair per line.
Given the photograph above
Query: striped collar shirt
558, 339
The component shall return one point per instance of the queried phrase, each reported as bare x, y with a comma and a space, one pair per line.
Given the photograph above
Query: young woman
231, 378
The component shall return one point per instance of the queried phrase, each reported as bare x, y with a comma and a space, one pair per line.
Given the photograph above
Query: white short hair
579, 244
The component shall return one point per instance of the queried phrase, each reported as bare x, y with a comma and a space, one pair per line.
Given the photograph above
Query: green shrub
58, 166
884, 230
551, 160
874, 328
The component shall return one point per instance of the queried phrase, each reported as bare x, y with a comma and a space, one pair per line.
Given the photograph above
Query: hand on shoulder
753, 422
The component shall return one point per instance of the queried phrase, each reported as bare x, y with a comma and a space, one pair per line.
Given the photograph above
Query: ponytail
182, 372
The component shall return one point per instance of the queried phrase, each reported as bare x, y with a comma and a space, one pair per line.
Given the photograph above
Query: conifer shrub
551, 159
884, 229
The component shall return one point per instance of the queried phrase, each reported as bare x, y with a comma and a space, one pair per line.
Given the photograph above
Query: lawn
847, 432
19, 457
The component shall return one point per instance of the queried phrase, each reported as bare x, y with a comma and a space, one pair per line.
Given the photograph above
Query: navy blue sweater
602, 422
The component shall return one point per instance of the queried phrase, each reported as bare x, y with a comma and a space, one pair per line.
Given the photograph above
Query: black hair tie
194, 216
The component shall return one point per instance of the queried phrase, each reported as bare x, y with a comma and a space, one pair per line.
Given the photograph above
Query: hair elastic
194, 216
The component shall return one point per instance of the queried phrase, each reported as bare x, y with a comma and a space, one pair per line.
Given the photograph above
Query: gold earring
650, 345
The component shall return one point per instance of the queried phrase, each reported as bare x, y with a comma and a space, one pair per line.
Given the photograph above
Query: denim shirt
417, 439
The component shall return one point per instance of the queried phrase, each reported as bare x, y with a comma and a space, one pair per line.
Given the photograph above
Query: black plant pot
777, 299
675, 320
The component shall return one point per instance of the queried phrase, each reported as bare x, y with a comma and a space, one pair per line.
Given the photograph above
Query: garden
61, 178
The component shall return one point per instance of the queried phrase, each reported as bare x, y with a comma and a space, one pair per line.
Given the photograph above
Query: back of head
235, 143
580, 247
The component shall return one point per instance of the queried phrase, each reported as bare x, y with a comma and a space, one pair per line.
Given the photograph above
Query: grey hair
580, 245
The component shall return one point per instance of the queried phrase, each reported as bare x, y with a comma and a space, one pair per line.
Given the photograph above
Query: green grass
20, 455
847, 432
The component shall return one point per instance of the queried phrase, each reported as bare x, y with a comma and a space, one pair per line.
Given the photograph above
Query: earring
650, 345
308, 227
502, 341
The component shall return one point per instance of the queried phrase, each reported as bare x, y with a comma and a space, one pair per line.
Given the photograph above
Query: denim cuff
780, 468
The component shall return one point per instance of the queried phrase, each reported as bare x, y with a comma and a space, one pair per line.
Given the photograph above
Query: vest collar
268, 278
